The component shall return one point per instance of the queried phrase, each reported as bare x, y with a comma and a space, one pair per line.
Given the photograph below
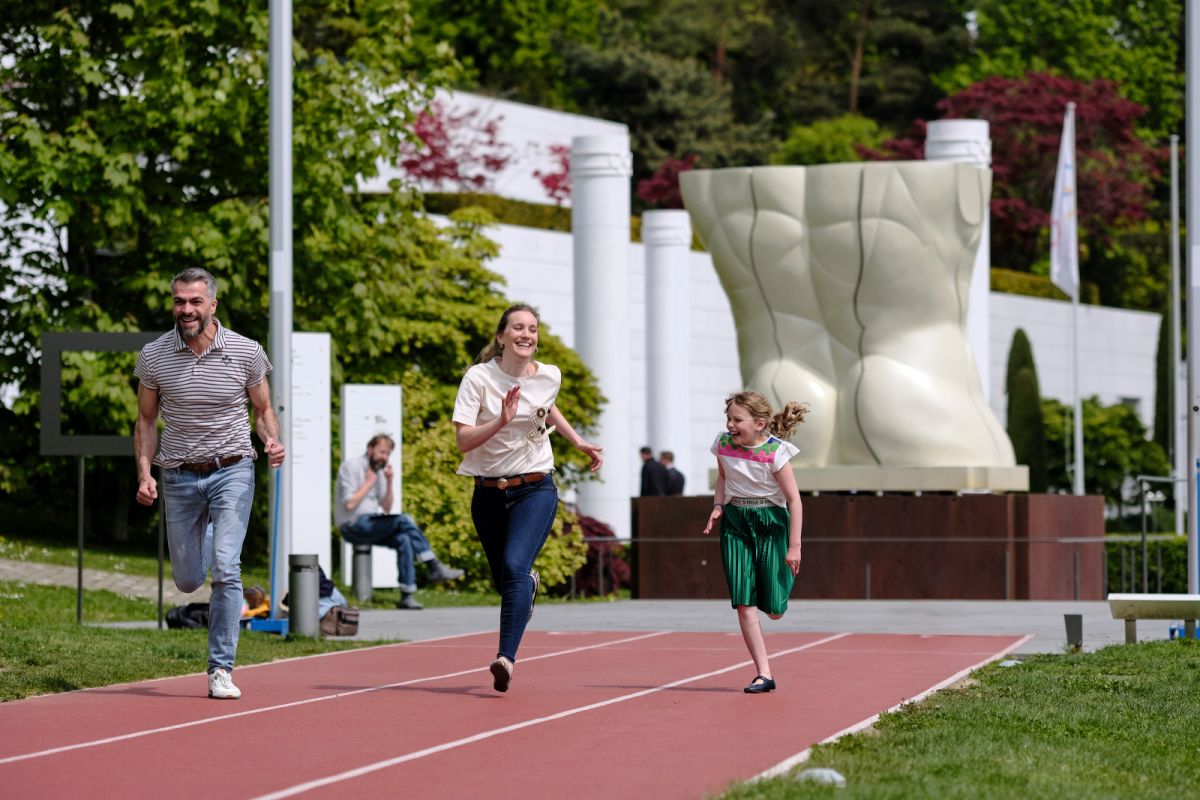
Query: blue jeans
190, 502
397, 531
512, 525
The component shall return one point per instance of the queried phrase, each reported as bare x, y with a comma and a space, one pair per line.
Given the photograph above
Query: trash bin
304, 589
362, 572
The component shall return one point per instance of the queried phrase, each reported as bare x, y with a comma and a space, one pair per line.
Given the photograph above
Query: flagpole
1178, 454
1191, 37
1064, 267
1078, 483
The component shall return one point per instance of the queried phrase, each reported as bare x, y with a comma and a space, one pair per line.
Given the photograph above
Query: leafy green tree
511, 48
674, 107
1026, 427
1115, 448
806, 60
1135, 45
830, 141
134, 137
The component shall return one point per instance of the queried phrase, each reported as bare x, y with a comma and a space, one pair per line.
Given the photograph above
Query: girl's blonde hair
493, 349
782, 424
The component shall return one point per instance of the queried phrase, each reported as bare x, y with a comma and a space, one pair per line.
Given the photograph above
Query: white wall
1116, 351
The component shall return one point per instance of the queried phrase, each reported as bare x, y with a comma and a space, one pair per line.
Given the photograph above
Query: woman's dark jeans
512, 525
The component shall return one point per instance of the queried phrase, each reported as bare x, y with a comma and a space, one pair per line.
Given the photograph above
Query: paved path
1043, 619
131, 585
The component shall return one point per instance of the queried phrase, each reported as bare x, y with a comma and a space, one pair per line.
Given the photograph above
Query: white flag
1064, 240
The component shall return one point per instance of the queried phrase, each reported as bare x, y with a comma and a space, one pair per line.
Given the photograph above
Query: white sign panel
368, 409
310, 456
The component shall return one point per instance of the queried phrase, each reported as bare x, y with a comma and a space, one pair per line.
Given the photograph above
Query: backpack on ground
193, 615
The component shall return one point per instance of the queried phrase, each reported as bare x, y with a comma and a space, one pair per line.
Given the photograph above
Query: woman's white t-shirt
523, 445
750, 471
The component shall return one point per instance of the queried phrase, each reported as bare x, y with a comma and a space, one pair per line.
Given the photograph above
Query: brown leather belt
510, 481
205, 467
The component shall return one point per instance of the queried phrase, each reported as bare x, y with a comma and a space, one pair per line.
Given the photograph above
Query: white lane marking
441, 748
180, 726
785, 765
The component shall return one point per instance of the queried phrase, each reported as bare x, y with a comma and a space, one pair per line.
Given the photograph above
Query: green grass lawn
1123, 722
42, 650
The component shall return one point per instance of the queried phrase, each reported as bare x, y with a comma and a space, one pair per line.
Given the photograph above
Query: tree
1115, 168
1136, 46
830, 141
1115, 448
137, 134
799, 60
1026, 427
511, 48
673, 107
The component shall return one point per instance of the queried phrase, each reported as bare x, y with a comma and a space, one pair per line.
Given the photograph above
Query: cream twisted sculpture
848, 284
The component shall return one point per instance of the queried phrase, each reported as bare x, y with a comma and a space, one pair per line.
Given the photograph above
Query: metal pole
1078, 438
1178, 463
1191, 51
79, 550
280, 342
162, 525
1145, 552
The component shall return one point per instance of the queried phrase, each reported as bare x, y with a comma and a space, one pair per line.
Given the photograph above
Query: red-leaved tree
557, 182
1115, 169
456, 153
661, 190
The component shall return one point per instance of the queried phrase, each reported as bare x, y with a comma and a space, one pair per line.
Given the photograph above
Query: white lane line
441, 748
182, 725
784, 766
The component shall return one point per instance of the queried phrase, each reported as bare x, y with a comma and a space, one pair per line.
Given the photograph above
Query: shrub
607, 558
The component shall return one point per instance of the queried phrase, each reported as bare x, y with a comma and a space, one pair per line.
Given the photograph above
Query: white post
1191, 49
667, 239
280, 334
968, 141
310, 458
600, 170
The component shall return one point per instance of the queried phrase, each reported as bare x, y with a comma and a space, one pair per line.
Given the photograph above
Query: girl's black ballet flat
760, 684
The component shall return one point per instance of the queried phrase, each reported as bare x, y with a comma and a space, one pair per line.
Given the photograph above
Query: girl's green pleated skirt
754, 543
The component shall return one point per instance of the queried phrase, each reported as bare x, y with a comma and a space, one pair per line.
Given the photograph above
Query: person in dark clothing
654, 475
675, 479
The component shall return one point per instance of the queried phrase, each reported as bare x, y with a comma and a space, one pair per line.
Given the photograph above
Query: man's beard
205, 321
378, 464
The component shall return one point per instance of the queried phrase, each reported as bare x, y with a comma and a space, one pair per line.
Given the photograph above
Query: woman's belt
509, 481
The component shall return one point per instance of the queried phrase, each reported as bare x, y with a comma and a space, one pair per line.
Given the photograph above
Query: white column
600, 170
667, 240
968, 141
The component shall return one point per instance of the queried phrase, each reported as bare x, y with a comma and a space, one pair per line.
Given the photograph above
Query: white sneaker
220, 685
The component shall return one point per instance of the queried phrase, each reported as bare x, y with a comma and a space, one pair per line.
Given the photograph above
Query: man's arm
145, 440
266, 423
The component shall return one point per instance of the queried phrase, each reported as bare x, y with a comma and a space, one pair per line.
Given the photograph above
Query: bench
1132, 607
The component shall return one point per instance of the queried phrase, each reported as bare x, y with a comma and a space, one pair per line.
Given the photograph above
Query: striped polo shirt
202, 398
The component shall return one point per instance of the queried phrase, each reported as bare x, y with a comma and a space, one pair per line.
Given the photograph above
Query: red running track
588, 715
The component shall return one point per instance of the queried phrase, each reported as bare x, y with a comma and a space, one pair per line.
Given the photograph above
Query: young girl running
758, 505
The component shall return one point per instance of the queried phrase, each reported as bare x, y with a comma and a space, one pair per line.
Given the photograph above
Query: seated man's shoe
409, 602
537, 582
439, 573
220, 685
502, 670
760, 685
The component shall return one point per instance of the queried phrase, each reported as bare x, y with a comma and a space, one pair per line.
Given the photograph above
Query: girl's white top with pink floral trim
750, 471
